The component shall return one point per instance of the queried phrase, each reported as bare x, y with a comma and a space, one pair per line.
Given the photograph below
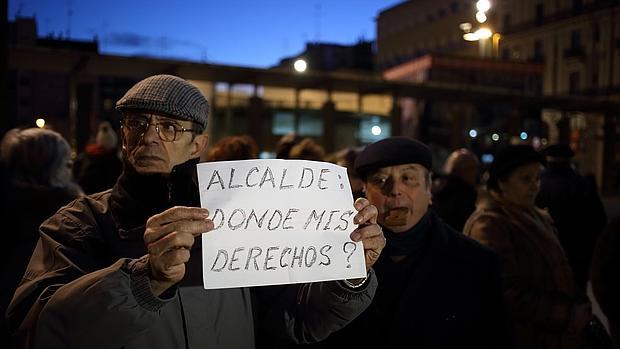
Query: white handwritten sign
277, 222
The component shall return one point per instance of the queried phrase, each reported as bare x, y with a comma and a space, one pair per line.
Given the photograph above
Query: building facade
577, 43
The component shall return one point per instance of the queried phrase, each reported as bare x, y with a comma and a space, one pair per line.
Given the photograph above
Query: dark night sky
247, 33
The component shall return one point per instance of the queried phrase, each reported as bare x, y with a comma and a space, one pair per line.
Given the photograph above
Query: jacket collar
136, 197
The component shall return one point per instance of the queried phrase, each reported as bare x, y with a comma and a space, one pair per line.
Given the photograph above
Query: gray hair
36, 156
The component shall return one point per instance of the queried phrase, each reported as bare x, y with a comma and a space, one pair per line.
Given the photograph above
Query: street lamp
482, 34
376, 130
483, 5
300, 65
40, 122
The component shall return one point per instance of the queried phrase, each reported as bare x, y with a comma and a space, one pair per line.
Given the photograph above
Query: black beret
511, 157
390, 152
559, 151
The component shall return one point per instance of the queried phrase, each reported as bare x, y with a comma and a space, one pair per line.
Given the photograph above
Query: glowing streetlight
483, 5
300, 65
473, 133
40, 122
481, 17
466, 27
523, 135
484, 33
375, 130
495, 137
470, 37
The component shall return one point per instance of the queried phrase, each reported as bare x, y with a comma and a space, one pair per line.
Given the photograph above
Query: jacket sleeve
308, 313
66, 300
525, 301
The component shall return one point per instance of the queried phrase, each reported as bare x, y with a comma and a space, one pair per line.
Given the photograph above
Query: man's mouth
147, 158
396, 216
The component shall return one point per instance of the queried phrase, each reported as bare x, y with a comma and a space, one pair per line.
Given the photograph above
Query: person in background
122, 268
437, 288
545, 306
346, 158
232, 148
37, 183
455, 199
286, 142
605, 277
307, 149
576, 209
98, 167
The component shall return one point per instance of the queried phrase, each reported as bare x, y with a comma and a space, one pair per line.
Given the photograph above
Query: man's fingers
366, 232
193, 227
376, 243
360, 203
368, 214
172, 241
178, 213
172, 258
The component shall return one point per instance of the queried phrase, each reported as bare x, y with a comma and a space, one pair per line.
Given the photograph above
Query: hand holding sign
283, 221
369, 232
168, 237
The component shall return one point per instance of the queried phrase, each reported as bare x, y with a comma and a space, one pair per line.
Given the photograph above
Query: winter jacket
539, 288
87, 284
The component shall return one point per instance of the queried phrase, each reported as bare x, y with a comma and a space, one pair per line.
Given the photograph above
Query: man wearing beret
573, 202
437, 288
122, 268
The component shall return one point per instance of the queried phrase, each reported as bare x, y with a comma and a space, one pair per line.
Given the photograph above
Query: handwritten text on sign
277, 222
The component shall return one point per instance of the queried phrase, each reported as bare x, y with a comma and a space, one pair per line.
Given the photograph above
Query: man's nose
150, 134
391, 187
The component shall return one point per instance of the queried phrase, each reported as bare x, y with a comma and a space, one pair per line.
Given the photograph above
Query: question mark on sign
350, 251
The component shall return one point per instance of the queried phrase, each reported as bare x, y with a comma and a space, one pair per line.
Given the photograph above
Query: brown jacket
539, 289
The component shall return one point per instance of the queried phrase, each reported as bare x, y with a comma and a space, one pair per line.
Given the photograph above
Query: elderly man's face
149, 153
401, 193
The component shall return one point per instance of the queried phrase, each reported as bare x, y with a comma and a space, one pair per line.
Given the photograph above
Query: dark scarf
410, 241
137, 197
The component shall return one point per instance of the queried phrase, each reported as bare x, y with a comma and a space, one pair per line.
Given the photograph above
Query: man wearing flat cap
122, 268
437, 288
573, 202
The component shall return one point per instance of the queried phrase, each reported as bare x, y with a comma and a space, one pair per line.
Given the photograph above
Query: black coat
605, 275
577, 212
24, 208
455, 201
452, 299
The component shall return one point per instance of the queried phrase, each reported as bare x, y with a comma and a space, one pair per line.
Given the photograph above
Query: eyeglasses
167, 130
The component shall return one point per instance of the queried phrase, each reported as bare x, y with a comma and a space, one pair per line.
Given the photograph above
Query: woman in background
37, 182
544, 305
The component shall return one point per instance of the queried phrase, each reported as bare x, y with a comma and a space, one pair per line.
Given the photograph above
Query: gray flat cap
169, 95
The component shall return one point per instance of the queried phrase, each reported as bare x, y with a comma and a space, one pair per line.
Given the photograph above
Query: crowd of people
103, 249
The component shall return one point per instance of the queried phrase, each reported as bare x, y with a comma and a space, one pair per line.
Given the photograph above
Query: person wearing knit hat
123, 268
546, 308
438, 289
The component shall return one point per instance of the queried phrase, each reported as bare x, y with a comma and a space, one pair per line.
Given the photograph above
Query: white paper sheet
277, 222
